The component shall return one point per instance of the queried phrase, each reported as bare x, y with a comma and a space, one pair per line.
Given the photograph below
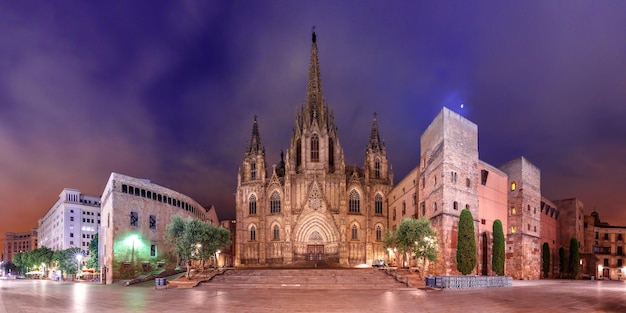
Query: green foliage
66, 260
195, 240
545, 259
562, 260
574, 258
416, 237
92, 262
498, 259
466, 248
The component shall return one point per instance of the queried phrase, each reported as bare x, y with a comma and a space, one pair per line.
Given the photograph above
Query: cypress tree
466, 247
497, 261
545, 259
574, 258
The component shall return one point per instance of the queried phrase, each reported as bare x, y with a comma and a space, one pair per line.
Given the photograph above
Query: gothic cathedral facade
311, 208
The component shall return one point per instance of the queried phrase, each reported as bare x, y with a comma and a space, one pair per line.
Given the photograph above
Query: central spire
314, 98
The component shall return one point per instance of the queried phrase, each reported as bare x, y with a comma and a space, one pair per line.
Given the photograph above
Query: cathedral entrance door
315, 252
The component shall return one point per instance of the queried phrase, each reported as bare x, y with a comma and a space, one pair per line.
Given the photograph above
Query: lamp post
79, 258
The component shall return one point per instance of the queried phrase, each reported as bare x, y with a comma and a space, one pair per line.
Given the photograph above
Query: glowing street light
79, 258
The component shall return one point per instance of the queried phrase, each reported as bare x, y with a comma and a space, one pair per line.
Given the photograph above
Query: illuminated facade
135, 214
312, 207
19, 242
72, 222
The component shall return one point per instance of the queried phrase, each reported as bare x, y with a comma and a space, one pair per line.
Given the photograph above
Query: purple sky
167, 91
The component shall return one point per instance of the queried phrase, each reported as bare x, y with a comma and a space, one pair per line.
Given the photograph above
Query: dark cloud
167, 90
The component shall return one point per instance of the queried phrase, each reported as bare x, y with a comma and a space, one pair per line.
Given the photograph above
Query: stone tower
448, 180
523, 252
312, 207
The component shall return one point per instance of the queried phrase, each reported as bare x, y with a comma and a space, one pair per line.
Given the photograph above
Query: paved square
20, 296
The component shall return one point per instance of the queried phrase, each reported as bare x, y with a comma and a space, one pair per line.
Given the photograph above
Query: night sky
167, 91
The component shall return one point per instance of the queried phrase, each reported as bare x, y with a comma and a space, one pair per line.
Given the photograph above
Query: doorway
315, 252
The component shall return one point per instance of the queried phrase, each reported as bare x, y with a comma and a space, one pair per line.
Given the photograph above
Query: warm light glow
512, 229
79, 257
599, 268
513, 186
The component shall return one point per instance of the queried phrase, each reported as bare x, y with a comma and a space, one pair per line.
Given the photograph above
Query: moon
462, 105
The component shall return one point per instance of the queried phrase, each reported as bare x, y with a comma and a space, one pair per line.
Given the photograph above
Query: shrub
466, 248
497, 261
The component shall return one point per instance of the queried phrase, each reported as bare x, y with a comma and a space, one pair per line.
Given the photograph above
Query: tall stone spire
314, 108
255, 142
375, 145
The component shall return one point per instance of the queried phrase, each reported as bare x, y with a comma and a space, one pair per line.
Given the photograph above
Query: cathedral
311, 208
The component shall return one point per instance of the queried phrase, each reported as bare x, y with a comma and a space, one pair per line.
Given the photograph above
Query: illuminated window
378, 204
252, 205
276, 233
252, 233
355, 203
512, 210
275, 202
513, 185
315, 149
512, 229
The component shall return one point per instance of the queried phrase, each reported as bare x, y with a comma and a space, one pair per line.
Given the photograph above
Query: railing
468, 282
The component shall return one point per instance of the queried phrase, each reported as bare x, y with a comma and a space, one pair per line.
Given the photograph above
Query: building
311, 207
72, 222
135, 214
603, 251
19, 242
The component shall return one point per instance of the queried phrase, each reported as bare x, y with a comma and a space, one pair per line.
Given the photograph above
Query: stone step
306, 278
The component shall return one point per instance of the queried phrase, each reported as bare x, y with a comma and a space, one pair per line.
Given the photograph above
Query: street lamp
79, 258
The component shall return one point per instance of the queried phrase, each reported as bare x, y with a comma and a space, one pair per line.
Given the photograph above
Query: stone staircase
306, 279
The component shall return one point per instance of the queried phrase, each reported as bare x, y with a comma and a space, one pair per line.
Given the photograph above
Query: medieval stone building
311, 207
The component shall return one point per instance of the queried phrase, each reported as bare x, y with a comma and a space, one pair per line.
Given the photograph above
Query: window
152, 250
535, 228
331, 154
315, 148
377, 168
483, 221
355, 205
134, 219
483, 177
394, 214
252, 204
619, 237
275, 202
143, 193
596, 235
606, 236
606, 262
512, 210
152, 221
403, 208
434, 206
298, 153
455, 205
379, 233
124, 188
252, 170
467, 206
423, 208
467, 182
71, 218
378, 204
619, 263
252, 233
355, 232
71, 235
276, 233
512, 229
528, 227
513, 185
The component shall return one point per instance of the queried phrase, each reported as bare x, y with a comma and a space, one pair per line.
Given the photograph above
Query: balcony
601, 250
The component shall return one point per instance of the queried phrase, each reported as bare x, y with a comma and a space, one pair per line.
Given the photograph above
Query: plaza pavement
21, 296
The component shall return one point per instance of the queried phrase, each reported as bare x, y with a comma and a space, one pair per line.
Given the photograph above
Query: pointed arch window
378, 204
379, 233
331, 154
275, 202
315, 148
253, 233
276, 233
252, 205
355, 202
377, 168
355, 232
252, 170
298, 153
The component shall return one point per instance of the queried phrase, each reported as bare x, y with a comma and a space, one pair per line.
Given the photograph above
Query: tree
497, 261
466, 247
545, 259
66, 260
390, 241
562, 261
92, 262
574, 258
19, 260
425, 247
194, 239
41, 257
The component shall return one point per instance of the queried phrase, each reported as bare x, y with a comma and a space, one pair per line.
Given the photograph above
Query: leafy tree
417, 237
41, 257
497, 261
194, 239
574, 258
92, 262
562, 261
66, 260
545, 259
20, 262
466, 247
390, 241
